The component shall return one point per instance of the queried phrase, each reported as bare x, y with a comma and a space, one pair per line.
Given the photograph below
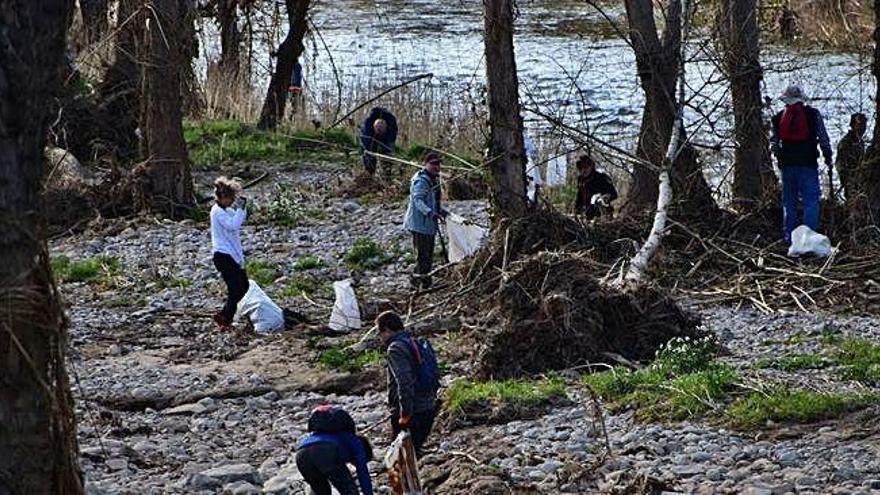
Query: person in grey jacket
412, 408
422, 215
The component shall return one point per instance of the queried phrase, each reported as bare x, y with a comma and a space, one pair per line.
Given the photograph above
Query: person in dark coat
850, 153
412, 408
323, 456
378, 135
595, 191
794, 135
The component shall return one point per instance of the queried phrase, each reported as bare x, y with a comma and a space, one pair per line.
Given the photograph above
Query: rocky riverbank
166, 404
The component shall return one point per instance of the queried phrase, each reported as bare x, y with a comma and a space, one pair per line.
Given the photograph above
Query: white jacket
225, 231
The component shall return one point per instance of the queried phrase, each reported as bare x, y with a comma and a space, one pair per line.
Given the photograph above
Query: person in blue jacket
378, 135
422, 215
323, 457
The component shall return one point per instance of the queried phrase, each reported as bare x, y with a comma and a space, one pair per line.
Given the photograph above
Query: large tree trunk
871, 165
753, 177
94, 16
657, 66
38, 449
230, 39
167, 185
506, 154
288, 53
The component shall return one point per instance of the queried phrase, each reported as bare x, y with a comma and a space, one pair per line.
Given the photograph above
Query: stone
688, 471
350, 206
117, 464
701, 457
199, 481
550, 467
806, 481
240, 488
788, 458
234, 472
754, 490
872, 484
193, 409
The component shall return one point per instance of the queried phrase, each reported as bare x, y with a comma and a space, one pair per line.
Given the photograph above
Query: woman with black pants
226, 221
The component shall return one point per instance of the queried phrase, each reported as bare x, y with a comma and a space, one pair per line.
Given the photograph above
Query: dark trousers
423, 245
236, 283
420, 425
320, 466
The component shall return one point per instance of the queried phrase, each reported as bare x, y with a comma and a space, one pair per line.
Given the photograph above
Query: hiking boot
221, 320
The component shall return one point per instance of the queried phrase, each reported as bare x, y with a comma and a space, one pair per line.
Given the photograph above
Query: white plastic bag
265, 315
557, 169
346, 314
806, 241
464, 238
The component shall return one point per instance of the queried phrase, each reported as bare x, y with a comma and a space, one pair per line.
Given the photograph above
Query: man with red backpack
794, 136
413, 379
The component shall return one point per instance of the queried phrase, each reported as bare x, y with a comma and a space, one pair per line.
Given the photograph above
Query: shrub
365, 254
99, 269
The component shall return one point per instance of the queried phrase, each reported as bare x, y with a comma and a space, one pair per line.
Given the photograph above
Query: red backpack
794, 126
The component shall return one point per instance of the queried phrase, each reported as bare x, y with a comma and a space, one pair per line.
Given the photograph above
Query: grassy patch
463, 394
216, 142
781, 404
860, 359
796, 362
345, 360
296, 286
100, 269
366, 254
308, 262
261, 271
169, 282
285, 210
798, 338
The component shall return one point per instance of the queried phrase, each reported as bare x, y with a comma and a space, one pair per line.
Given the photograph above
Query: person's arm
231, 221
419, 193
610, 190
367, 132
400, 364
579, 201
822, 136
391, 133
360, 463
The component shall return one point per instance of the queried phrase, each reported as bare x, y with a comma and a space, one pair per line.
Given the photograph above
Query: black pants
236, 283
423, 245
320, 466
420, 425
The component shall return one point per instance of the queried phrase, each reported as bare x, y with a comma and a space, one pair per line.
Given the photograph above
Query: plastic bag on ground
805, 240
256, 306
464, 238
346, 314
557, 169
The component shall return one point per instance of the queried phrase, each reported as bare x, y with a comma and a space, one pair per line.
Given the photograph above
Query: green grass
796, 362
366, 254
781, 404
308, 262
167, 282
463, 393
860, 359
296, 286
100, 269
345, 360
285, 210
261, 271
216, 142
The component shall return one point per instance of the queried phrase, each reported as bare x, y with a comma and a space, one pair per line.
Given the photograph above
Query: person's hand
403, 422
775, 149
242, 202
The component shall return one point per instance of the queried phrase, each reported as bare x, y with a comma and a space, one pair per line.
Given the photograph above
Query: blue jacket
386, 144
424, 199
351, 451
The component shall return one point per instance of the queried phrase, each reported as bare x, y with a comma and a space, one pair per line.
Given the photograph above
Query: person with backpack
322, 457
378, 135
413, 379
795, 133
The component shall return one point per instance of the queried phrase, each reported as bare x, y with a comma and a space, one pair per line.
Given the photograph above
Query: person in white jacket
227, 216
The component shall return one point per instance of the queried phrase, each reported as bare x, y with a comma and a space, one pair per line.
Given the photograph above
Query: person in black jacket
378, 135
595, 191
795, 133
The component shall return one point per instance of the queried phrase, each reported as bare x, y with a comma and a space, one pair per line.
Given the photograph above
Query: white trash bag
464, 238
256, 306
806, 241
346, 314
557, 169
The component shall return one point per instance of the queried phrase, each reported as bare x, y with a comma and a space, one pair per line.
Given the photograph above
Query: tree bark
288, 53
167, 186
230, 38
871, 165
94, 16
753, 177
506, 154
38, 449
657, 63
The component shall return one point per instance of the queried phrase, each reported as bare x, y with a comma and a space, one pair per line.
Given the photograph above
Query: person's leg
421, 427
325, 458
810, 194
227, 268
317, 480
340, 478
423, 245
237, 283
789, 201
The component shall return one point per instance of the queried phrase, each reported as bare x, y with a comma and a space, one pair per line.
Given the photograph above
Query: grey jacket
424, 199
403, 398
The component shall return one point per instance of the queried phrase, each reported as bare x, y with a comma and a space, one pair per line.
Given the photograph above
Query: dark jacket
803, 153
385, 145
850, 153
351, 451
595, 183
403, 397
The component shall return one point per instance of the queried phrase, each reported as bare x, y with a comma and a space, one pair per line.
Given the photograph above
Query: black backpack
328, 418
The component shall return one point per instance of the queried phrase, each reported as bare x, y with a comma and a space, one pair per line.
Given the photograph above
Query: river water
569, 61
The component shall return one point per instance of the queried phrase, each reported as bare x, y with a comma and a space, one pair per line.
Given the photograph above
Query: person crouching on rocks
227, 216
422, 215
323, 456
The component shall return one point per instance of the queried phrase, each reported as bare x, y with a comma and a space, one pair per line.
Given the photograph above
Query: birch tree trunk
168, 185
288, 53
38, 449
507, 167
